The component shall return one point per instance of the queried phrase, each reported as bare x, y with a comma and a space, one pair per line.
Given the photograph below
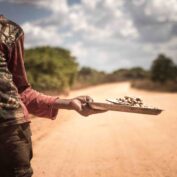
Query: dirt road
112, 144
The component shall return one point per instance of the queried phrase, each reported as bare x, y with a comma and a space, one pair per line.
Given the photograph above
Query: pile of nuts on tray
130, 101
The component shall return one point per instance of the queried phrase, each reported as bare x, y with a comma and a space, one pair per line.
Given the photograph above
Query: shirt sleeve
36, 103
39, 104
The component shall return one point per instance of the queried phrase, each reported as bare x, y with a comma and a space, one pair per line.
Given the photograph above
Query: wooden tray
124, 108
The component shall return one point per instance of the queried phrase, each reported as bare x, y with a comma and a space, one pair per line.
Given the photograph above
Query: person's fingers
85, 99
89, 99
78, 108
81, 98
77, 105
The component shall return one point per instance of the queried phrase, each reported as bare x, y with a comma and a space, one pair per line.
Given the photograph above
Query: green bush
50, 68
128, 74
88, 76
163, 69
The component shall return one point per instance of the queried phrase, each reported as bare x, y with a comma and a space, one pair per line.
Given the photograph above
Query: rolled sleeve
39, 104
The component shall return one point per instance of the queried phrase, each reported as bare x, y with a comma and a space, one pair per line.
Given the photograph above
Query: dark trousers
15, 151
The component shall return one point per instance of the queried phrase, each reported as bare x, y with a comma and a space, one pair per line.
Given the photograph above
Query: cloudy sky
104, 34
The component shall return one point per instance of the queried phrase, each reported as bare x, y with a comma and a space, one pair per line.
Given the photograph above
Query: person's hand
78, 103
81, 105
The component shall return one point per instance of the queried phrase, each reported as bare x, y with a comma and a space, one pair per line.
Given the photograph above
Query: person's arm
36, 103
39, 104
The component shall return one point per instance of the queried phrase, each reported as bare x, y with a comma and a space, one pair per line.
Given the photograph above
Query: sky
103, 34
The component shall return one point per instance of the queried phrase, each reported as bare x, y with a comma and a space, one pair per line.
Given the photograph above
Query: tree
163, 69
50, 68
90, 76
128, 74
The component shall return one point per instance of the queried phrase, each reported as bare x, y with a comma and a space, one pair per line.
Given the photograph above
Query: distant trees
90, 76
128, 74
163, 76
163, 69
54, 68
50, 68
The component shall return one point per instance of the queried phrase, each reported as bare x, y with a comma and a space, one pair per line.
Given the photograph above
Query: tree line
54, 68
50, 68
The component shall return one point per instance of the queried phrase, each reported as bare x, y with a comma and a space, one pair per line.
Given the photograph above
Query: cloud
155, 20
107, 34
162, 10
36, 34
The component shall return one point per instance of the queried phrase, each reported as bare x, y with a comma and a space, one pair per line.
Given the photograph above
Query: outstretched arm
38, 103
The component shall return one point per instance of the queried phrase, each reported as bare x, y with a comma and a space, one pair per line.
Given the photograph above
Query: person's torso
11, 111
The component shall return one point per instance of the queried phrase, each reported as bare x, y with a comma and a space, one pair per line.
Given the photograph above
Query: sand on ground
111, 144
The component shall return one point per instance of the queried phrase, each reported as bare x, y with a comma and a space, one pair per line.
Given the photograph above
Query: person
18, 99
